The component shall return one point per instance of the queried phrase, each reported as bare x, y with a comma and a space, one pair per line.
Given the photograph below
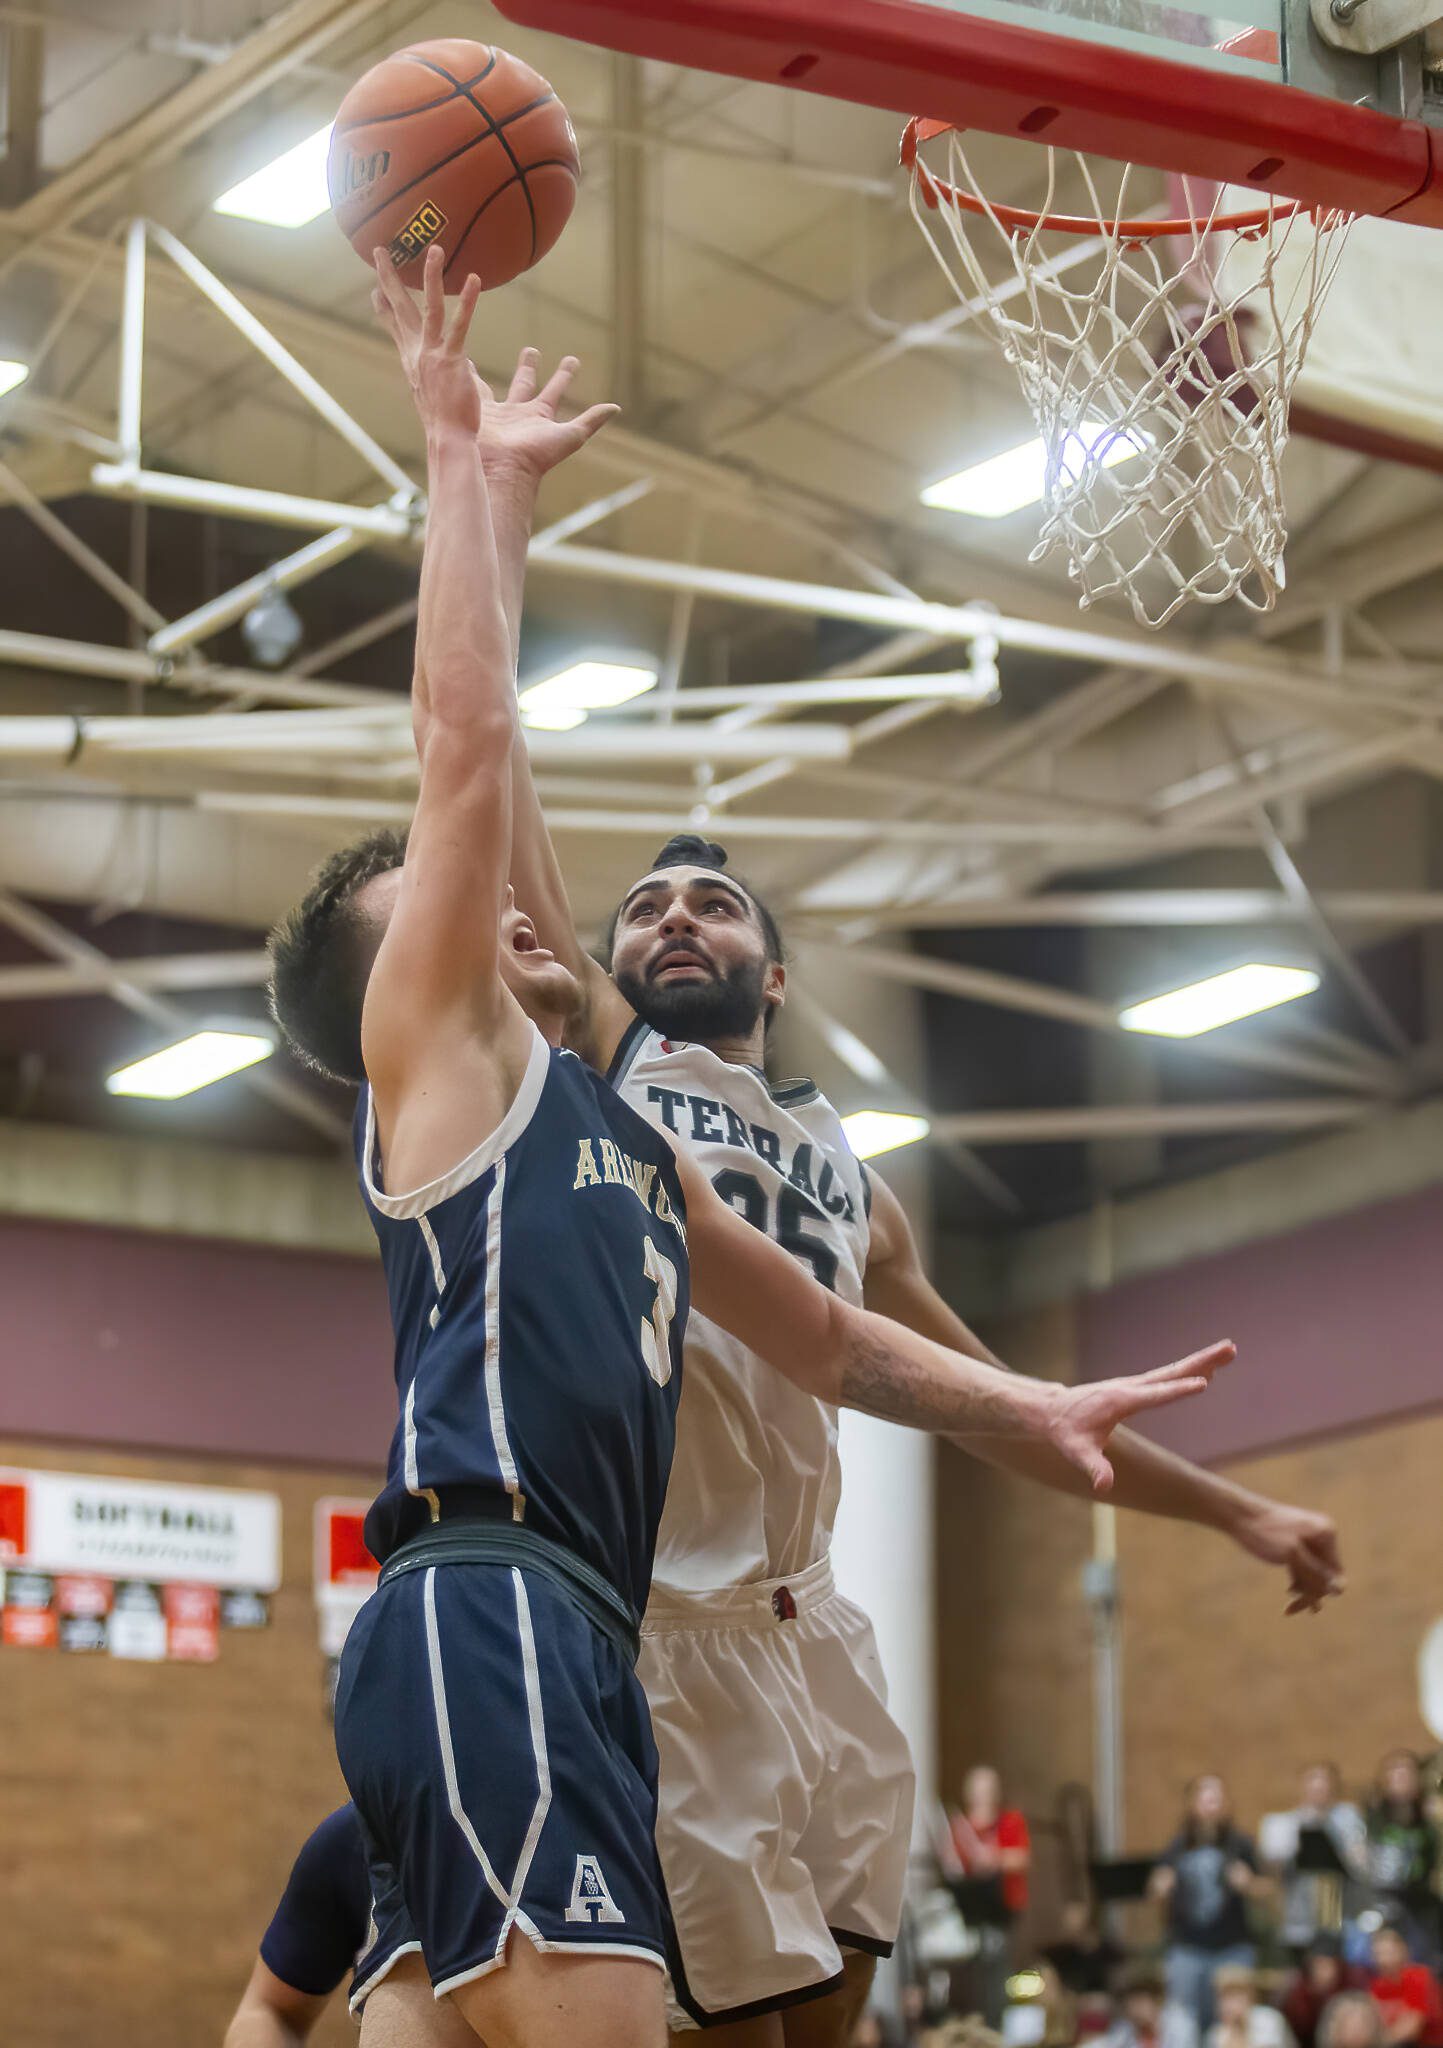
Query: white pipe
208, 619
166, 970
130, 600
1161, 1120
62, 740
281, 360
590, 515
132, 345
966, 622
129, 664
1162, 907
953, 686
278, 508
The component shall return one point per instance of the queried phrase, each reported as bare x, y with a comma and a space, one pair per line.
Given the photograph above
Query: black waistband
473, 1539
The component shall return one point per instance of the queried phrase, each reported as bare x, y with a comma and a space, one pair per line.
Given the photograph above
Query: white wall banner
134, 1529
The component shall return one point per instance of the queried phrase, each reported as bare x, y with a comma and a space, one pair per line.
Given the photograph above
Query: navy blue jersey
539, 1296
322, 1921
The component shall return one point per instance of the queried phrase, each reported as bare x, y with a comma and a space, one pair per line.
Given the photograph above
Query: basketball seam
460, 87
441, 163
545, 163
480, 107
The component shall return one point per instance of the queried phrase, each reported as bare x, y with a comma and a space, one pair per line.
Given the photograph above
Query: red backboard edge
914, 59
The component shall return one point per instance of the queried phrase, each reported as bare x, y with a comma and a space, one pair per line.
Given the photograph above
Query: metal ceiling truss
326, 750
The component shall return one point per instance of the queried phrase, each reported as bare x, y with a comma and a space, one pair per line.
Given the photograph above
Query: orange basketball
456, 143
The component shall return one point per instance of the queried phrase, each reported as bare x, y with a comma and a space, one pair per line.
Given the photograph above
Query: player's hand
1304, 1543
521, 435
1085, 1417
444, 381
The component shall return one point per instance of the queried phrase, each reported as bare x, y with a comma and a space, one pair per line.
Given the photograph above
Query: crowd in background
1326, 1931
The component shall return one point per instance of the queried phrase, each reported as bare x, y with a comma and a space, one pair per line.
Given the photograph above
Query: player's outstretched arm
857, 1359
1146, 1477
437, 976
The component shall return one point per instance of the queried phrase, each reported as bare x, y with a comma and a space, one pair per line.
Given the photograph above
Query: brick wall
1213, 1678
149, 1812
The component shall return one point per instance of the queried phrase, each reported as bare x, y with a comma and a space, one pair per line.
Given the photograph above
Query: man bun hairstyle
320, 959
691, 850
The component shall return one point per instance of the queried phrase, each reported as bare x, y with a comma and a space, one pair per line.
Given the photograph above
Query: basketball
457, 143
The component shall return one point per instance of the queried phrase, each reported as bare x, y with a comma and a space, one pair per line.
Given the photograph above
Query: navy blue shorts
498, 1748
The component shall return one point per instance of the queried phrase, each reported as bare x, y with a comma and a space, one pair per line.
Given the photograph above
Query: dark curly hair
690, 850
320, 962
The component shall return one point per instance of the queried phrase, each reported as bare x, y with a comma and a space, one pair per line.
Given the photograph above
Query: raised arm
854, 1358
522, 439
436, 983
1146, 1477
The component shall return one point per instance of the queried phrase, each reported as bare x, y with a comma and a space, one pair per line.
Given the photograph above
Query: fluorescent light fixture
190, 1063
1221, 999
561, 702
1018, 477
286, 193
870, 1131
12, 374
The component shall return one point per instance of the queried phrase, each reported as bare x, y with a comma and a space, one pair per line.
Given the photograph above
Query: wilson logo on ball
360, 171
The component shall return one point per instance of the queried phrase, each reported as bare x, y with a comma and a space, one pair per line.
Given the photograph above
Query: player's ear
774, 988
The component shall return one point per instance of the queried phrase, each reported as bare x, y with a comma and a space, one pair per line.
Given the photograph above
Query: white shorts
786, 1791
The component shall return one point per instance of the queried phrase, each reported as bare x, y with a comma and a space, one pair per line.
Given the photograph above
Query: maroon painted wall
126, 1337
1338, 1325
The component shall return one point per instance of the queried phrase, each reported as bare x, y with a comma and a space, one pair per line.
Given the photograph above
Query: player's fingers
1324, 1547
555, 388
433, 298
523, 381
394, 292
460, 326
1212, 1358
580, 430
1139, 1394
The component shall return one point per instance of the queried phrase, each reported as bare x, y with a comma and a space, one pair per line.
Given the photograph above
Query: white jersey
756, 1478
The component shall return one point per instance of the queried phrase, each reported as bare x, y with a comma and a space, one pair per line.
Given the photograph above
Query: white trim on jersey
598, 1950
495, 1403
362, 1989
471, 1168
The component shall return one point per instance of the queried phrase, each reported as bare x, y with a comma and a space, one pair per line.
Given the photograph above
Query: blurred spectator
1313, 1902
1146, 2018
1406, 1994
1242, 2022
992, 1837
1403, 1853
1322, 1974
1205, 1876
1351, 2020
1083, 1957
1058, 2008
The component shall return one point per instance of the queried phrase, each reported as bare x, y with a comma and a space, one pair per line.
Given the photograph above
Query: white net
1159, 372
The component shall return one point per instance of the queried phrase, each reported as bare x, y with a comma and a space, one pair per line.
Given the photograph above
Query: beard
727, 1006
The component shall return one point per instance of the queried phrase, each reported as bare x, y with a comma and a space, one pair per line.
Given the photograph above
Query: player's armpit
272, 2013
895, 1284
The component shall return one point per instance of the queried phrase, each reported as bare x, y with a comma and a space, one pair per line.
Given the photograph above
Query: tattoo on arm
922, 1391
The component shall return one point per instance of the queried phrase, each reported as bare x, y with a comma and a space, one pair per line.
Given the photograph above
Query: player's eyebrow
710, 884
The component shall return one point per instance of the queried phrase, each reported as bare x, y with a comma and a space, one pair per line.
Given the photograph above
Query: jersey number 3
656, 1329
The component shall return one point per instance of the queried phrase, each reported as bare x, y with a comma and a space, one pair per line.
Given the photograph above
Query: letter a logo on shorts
591, 1901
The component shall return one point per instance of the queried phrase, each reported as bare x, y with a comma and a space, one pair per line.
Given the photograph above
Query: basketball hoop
1159, 375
